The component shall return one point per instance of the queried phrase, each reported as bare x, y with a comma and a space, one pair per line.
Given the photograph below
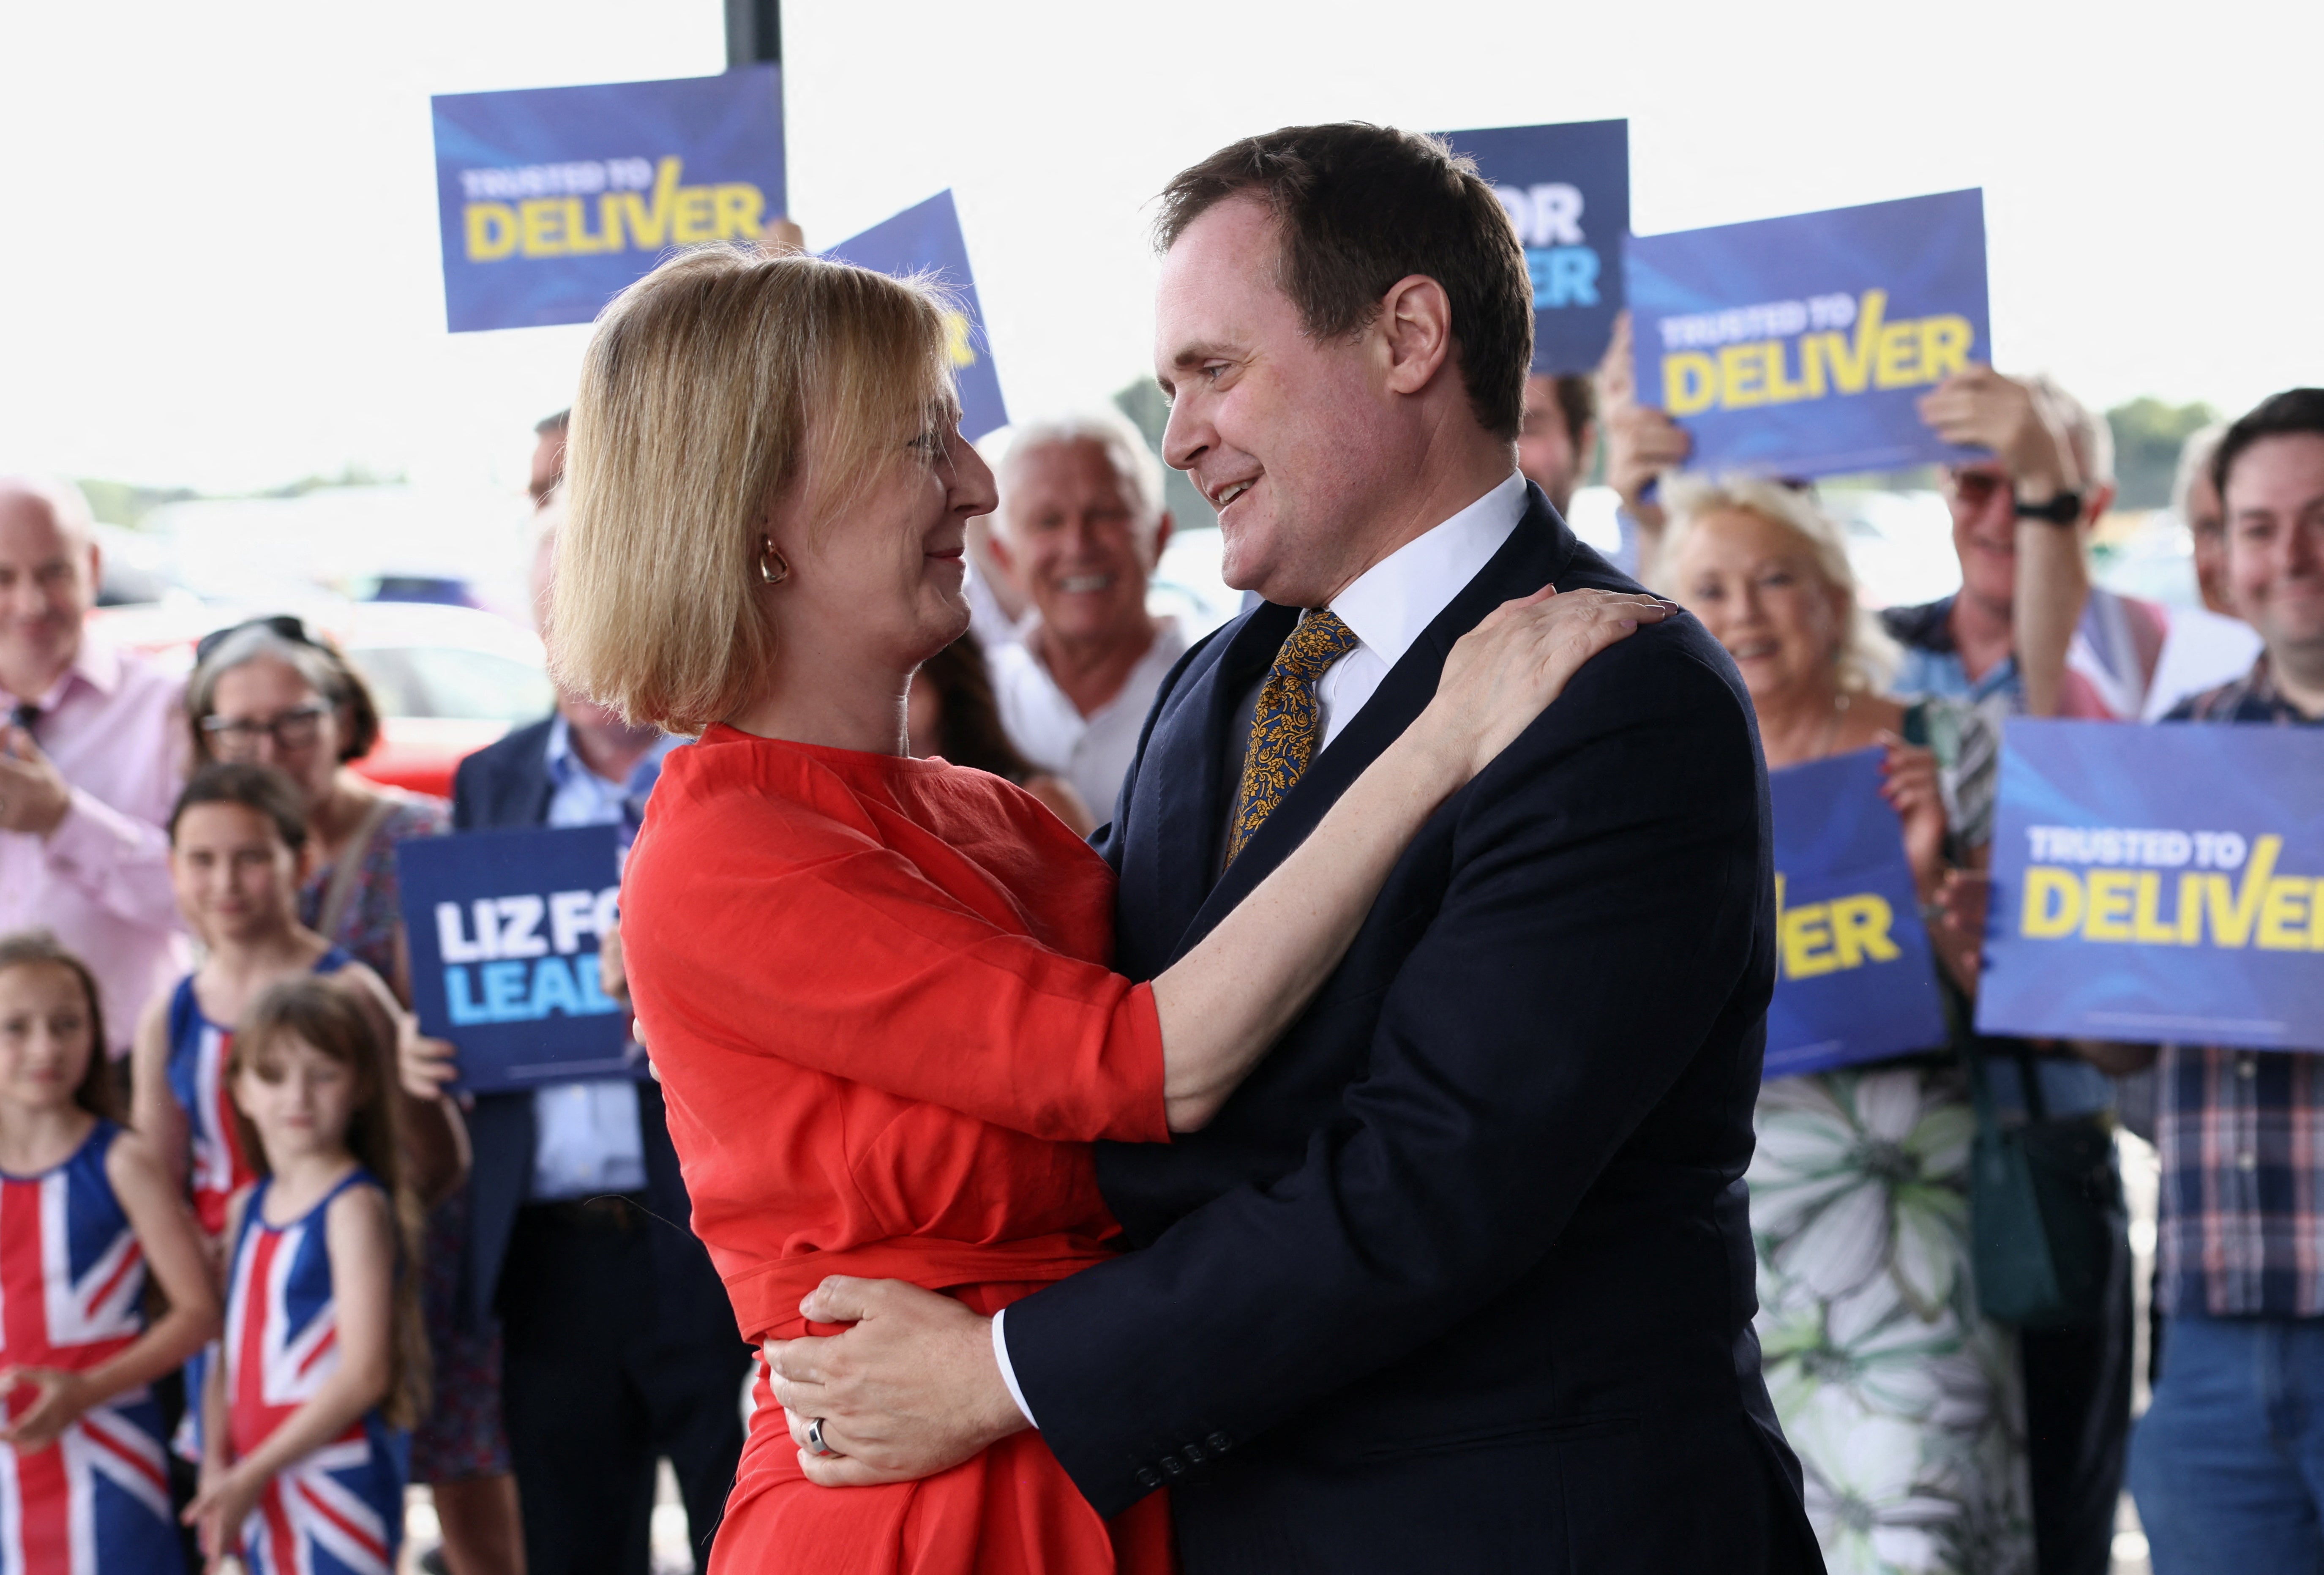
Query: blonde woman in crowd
1903, 1402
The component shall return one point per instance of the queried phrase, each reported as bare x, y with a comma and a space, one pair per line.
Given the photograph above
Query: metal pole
754, 32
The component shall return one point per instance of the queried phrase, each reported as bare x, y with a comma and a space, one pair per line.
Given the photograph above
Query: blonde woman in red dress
876, 986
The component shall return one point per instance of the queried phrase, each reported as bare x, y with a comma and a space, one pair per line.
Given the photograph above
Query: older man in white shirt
92, 754
1081, 528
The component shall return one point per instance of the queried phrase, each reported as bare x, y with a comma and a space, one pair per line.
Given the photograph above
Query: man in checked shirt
2228, 1466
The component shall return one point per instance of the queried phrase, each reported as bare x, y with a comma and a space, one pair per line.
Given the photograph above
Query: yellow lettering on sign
741, 208
2053, 903
1740, 366
1780, 390
1690, 383
577, 238
2284, 915
2145, 922
962, 350
2231, 922
2108, 916
492, 231
2316, 918
649, 226
1807, 941
1896, 365
1859, 929
541, 222
1851, 371
1944, 346
2191, 909
697, 217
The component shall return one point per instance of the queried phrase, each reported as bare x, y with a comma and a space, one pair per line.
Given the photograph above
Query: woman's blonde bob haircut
1866, 657
725, 384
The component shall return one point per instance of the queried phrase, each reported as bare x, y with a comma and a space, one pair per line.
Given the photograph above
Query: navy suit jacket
1462, 1277
505, 785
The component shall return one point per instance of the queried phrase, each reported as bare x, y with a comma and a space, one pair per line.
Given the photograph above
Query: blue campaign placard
1567, 189
554, 198
2158, 884
924, 241
1855, 977
504, 927
1799, 346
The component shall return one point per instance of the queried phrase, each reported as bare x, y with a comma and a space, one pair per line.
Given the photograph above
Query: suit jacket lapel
1181, 793
1536, 551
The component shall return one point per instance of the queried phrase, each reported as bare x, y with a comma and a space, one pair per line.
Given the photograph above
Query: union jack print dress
198, 1057
72, 1277
338, 1511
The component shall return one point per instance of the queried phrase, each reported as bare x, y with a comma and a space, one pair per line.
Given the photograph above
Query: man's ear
1415, 328
2097, 501
996, 542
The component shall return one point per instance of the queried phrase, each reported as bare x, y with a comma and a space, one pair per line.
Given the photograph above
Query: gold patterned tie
1282, 733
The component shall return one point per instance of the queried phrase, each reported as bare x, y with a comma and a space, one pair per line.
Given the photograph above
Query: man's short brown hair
1361, 206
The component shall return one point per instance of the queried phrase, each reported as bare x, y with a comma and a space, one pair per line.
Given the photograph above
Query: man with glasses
91, 757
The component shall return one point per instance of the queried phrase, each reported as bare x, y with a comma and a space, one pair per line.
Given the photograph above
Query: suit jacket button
1193, 1453
1173, 1465
1219, 1441
1148, 1478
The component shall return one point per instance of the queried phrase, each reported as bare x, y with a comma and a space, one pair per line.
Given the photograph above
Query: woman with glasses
269, 692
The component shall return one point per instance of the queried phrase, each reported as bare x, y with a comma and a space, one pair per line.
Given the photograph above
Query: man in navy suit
619, 1343
1462, 1277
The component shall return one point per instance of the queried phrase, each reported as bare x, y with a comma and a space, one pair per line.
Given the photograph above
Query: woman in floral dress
1903, 1401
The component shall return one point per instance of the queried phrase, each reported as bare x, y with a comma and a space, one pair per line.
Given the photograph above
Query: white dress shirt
1093, 752
585, 1137
1387, 607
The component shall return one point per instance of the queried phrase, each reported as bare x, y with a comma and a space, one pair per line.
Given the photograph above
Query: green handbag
2043, 1199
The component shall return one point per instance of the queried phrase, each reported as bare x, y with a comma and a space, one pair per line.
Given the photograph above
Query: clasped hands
911, 1389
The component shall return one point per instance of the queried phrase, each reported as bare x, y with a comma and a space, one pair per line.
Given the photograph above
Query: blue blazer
507, 784
1462, 1278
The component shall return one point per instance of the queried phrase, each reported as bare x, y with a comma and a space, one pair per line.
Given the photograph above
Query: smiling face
879, 581
234, 878
1077, 540
274, 717
1291, 440
48, 584
46, 1035
300, 1099
1754, 586
2275, 547
1985, 531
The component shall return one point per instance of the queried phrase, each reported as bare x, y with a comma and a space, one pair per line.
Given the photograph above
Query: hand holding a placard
1642, 443
1909, 783
1978, 408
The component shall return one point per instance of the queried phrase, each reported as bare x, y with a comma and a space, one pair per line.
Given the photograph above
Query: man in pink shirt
91, 758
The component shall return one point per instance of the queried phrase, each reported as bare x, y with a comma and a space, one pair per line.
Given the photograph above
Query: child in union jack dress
324, 1369
86, 1211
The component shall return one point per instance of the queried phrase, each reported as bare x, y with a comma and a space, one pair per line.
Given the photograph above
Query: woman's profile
877, 987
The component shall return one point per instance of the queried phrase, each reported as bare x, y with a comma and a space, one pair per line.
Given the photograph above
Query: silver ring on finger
814, 1444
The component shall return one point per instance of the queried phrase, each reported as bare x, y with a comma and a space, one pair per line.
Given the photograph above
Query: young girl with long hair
86, 1214
238, 847
325, 1365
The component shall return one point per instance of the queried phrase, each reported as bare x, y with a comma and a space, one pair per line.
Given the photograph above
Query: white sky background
220, 262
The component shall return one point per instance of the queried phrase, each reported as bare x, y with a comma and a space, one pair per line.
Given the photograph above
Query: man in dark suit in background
1462, 1277
620, 1344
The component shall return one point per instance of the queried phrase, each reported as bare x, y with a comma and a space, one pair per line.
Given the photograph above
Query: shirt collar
565, 762
97, 663
1392, 602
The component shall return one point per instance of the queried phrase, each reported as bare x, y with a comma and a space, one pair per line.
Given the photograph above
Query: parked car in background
448, 681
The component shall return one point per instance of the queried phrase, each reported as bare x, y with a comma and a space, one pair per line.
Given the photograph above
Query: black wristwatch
2062, 509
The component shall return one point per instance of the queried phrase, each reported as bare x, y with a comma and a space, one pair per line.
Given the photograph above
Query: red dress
877, 1001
